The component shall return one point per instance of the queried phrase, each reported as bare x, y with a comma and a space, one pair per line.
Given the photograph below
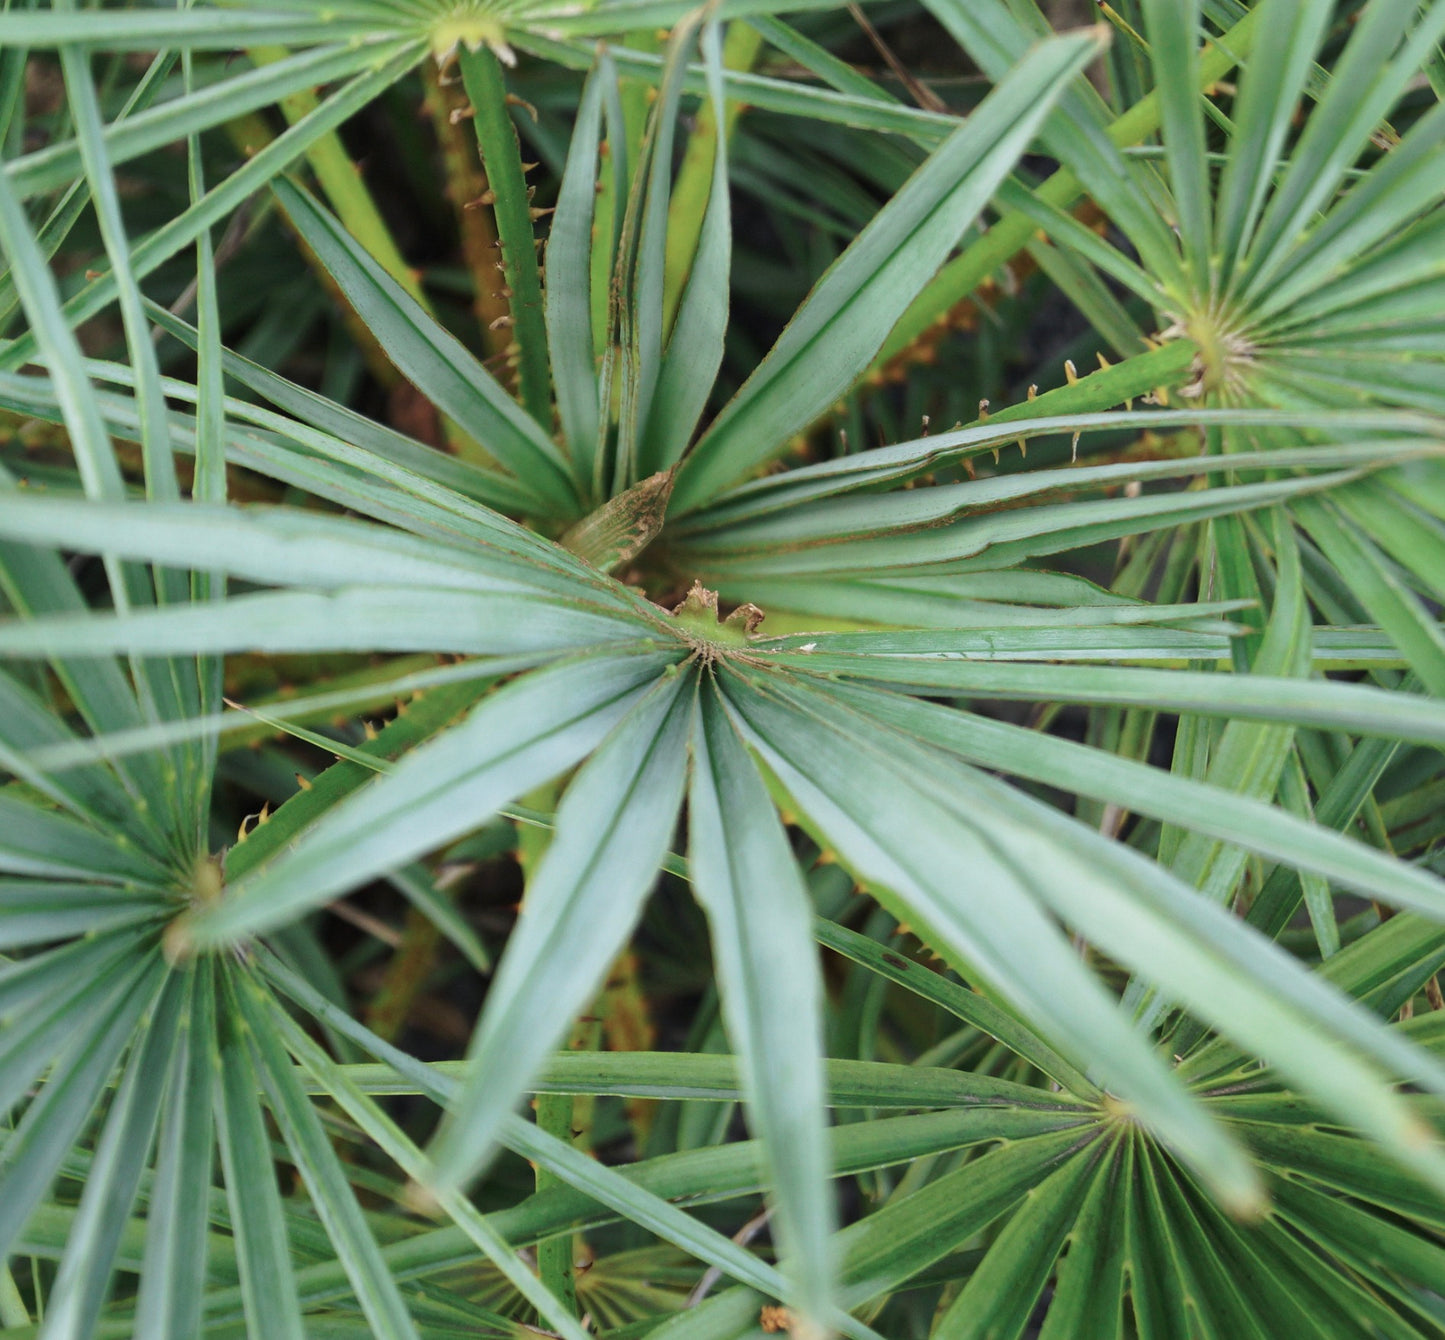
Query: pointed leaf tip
623, 526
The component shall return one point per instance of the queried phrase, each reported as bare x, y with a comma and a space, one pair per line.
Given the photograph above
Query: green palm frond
1126, 1043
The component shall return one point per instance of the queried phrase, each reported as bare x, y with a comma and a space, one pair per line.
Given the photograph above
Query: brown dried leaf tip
623, 526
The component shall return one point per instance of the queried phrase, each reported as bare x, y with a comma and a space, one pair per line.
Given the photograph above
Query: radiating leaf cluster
1123, 1033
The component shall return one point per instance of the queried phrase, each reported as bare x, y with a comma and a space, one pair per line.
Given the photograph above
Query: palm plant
1160, 1106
